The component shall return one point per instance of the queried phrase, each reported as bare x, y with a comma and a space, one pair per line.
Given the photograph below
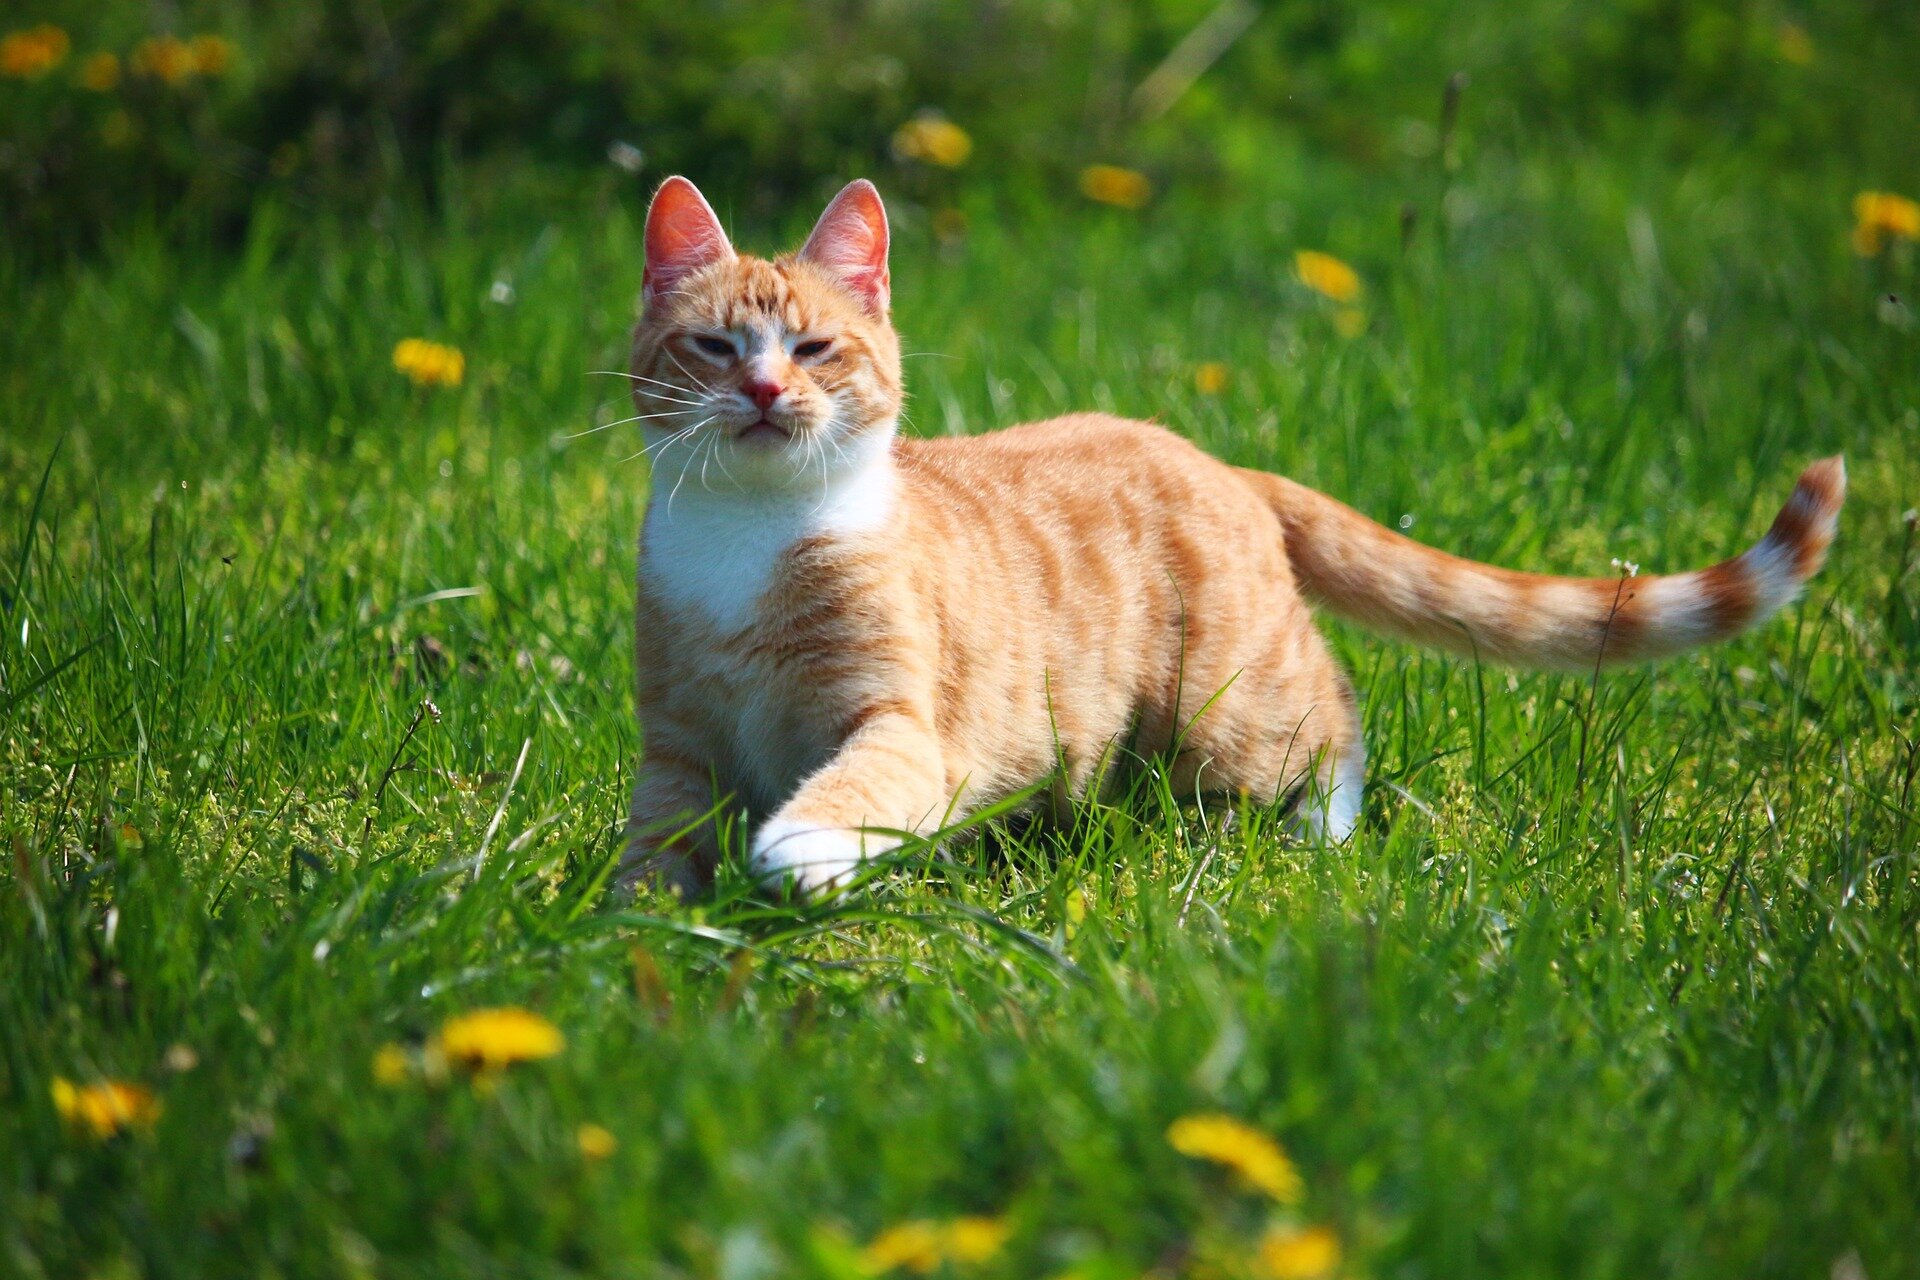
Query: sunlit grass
315, 731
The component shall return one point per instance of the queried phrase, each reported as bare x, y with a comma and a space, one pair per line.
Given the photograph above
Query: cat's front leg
671, 841
886, 778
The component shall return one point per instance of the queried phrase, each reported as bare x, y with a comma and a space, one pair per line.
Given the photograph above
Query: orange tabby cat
851, 635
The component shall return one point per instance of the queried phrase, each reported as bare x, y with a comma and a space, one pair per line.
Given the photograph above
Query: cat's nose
762, 391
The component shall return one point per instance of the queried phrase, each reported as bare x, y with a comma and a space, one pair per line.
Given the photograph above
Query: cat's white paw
815, 859
1331, 810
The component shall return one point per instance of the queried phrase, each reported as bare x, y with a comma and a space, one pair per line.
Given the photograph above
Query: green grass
1617, 979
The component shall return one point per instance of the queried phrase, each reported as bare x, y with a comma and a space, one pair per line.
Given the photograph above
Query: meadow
315, 733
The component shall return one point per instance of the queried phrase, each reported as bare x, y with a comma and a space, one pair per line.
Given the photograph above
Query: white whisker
668, 392
653, 382
631, 377
825, 470
675, 438
690, 374
681, 434
712, 446
684, 467
721, 459
621, 422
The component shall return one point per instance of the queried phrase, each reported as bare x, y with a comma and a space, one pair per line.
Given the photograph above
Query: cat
850, 636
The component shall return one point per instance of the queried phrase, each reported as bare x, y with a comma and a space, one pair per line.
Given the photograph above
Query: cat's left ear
850, 240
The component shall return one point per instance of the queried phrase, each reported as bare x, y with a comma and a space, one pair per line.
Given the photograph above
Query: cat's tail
1375, 577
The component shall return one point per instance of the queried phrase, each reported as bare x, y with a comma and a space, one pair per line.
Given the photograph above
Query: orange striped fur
845, 635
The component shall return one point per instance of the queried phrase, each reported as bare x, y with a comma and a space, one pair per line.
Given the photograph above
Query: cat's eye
713, 346
815, 347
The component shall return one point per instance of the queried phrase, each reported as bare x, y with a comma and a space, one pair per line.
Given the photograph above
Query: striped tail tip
1674, 613
1771, 574
1804, 529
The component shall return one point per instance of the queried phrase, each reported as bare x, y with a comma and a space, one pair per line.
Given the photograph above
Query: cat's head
765, 373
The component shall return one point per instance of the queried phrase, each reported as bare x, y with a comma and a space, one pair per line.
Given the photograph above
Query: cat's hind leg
1329, 809
1288, 726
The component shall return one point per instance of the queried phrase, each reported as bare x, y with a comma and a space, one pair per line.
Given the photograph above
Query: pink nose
762, 393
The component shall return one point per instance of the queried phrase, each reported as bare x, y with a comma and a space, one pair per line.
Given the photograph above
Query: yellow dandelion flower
1256, 1158
1326, 275
212, 55
106, 1108
934, 139
1121, 188
1298, 1253
923, 1244
489, 1039
30, 54
1878, 215
167, 58
100, 72
974, 1239
391, 1065
912, 1246
429, 364
595, 1143
1793, 44
1210, 379
1349, 322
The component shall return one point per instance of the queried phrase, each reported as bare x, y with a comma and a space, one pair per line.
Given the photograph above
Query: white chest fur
712, 553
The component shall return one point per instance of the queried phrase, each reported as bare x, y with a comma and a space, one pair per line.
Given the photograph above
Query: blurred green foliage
334, 103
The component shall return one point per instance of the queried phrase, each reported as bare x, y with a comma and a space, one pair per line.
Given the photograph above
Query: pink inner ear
683, 235
850, 240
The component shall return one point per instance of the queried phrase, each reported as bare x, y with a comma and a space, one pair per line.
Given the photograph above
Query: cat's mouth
764, 429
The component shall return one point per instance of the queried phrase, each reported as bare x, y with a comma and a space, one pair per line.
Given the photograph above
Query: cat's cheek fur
814, 860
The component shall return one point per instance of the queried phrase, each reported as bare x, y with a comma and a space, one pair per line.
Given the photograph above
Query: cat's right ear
850, 240
683, 236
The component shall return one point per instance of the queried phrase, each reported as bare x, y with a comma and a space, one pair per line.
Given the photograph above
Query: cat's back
1086, 474
1081, 455
1090, 438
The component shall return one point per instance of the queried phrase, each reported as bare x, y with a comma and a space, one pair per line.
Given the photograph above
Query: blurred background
189, 114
